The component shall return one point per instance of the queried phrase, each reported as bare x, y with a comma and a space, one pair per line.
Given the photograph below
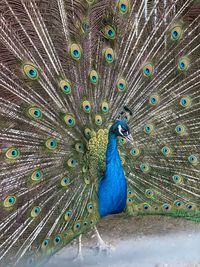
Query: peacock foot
105, 248
102, 246
79, 257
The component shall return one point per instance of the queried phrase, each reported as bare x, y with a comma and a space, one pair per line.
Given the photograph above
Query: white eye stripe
120, 129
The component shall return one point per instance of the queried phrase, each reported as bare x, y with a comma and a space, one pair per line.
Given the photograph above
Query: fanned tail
162, 167
67, 70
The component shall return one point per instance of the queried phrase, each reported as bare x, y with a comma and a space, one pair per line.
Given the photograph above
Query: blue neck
112, 188
112, 154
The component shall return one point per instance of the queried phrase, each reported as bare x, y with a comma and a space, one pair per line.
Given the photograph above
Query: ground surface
150, 241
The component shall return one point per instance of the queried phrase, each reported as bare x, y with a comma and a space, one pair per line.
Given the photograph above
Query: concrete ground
150, 241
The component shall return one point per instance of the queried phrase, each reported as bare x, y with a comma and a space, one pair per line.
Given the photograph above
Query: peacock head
120, 128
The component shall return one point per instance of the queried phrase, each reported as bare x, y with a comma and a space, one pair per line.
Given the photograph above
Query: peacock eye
193, 160
189, 206
90, 207
75, 51
45, 244
87, 106
79, 147
122, 140
166, 207
72, 162
135, 152
145, 206
87, 132
51, 143
104, 107
68, 215
149, 129
94, 77
126, 117
35, 212
149, 193
35, 113
129, 200
121, 85
185, 102
177, 203
176, 33
148, 70
69, 120
87, 180
31, 71
123, 6
12, 153
37, 175
65, 181
109, 32
180, 130
154, 100
144, 167
183, 64
177, 179
9, 201
166, 151
130, 193
85, 26
109, 55
98, 120
77, 227
65, 86
57, 239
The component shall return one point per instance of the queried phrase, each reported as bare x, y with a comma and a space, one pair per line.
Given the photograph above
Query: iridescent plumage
112, 192
70, 72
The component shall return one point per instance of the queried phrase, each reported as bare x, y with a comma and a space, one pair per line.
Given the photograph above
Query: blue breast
112, 187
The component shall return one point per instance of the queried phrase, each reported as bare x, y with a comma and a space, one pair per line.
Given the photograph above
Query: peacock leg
101, 245
79, 256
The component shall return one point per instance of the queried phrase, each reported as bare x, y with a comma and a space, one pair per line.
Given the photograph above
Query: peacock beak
129, 138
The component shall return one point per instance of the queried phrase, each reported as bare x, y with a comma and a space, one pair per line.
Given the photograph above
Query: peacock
99, 115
